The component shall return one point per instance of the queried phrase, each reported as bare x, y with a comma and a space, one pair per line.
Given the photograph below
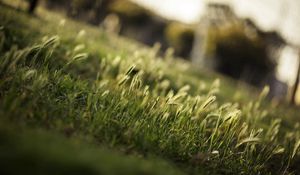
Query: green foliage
113, 93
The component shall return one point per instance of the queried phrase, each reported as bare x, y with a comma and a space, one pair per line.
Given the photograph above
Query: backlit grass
99, 98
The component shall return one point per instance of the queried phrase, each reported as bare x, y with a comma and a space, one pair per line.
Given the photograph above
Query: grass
38, 152
77, 100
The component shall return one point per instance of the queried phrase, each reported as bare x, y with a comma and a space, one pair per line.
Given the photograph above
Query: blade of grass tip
2, 38
216, 83
264, 93
50, 41
208, 101
185, 88
196, 102
5, 62
123, 80
279, 150
212, 138
296, 147
130, 70
79, 48
35, 48
29, 74
23, 56
248, 140
79, 57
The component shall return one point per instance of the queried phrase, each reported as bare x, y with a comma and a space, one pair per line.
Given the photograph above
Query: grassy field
74, 99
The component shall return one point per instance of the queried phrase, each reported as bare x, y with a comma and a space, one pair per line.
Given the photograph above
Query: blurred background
256, 42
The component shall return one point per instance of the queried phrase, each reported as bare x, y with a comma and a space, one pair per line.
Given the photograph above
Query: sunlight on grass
108, 91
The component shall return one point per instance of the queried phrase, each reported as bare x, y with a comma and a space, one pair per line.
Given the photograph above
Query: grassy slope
83, 101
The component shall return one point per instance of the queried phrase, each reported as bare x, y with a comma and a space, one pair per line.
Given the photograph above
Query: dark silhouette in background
236, 47
134, 22
32, 6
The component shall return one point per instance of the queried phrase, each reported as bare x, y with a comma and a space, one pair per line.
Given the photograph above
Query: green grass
74, 99
38, 152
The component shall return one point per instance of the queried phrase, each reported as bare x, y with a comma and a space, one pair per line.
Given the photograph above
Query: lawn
75, 99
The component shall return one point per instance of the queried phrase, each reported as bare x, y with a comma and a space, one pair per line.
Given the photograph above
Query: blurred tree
130, 12
32, 6
180, 37
240, 54
133, 20
58, 4
93, 11
233, 46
